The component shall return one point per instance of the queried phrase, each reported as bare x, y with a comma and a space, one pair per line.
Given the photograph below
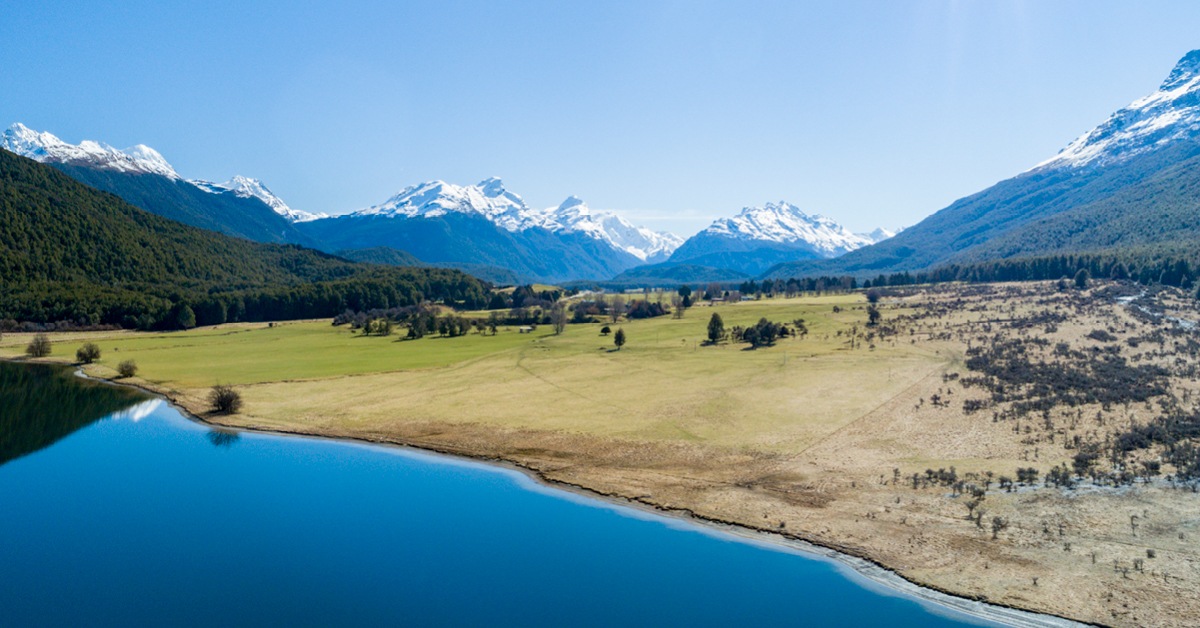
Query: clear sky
671, 113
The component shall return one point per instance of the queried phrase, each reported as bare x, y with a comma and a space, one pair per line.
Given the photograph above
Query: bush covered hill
71, 253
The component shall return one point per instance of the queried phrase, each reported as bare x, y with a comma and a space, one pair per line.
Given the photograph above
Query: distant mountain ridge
760, 237
47, 148
491, 200
242, 208
246, 187
488, 225
1130, 181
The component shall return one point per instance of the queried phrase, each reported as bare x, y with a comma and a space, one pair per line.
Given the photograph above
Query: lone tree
873, 315
88, 353
873, 295
1081, 278
619, 338
558, 317
225, 399
716, 328
127, 368
998, 524
39, 347
606, 330
616, 308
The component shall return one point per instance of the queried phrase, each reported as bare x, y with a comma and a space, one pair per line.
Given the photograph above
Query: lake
119, 511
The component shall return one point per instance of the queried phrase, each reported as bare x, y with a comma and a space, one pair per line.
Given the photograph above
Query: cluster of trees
792, 286
761, 334
524, 297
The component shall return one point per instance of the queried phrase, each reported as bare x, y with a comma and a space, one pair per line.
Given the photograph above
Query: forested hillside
70, 252
179, 200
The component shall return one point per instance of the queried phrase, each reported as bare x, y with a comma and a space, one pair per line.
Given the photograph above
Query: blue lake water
145, 518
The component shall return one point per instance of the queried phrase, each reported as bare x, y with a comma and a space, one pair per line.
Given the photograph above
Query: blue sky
670, 113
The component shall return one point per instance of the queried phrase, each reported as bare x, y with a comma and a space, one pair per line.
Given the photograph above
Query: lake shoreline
864, 566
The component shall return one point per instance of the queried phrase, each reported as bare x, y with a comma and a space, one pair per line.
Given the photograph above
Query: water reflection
41, 403
139, 411
223, 438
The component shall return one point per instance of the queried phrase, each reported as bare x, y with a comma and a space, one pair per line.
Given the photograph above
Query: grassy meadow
665, 383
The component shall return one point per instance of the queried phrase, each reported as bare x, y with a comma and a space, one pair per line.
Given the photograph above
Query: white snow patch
47, 148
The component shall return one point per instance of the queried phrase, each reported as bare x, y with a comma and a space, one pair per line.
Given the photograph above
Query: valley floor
817, 437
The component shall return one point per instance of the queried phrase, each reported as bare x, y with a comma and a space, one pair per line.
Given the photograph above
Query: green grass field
665, 383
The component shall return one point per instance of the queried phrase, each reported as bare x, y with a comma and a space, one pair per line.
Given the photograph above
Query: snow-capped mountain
437, 198
760, 237
140, 159
574, 216
509, 211
1169, 115
879, 235
246, 187
47, 148
242, 207
784, 223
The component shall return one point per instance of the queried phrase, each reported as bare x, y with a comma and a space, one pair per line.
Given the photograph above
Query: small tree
225, 399
606, 330
677, 306
873, 296
127, 368
619, 338
998, 524
185, 318
1081, 278
558, 317
716, 328
873, 315
616, 308
88, 353
39, 347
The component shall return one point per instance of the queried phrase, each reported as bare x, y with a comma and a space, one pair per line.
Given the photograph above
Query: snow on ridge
490, 199
880, 234
46, 148
1169, 115
438, 198
246, 187
785, 223
574, 216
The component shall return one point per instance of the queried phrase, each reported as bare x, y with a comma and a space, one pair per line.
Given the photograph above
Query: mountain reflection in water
41, 404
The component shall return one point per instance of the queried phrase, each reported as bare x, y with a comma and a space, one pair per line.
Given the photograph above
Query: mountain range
1132, 181
760, 237
484, 228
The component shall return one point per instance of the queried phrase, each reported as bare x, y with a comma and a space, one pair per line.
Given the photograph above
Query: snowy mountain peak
1184, 72
246, 187
45, 147
572, 201
1169, 115
785, 223
437, 198
574, 216
491, 200
879, 235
